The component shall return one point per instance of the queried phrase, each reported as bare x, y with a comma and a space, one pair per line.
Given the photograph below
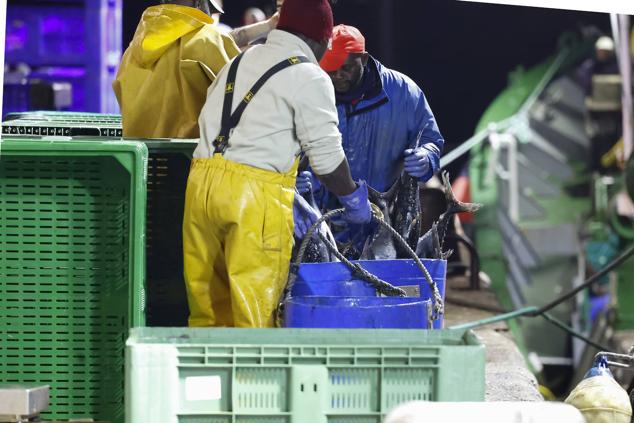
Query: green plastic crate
295, 375
72, 217
63, 116
71, 124
168, 169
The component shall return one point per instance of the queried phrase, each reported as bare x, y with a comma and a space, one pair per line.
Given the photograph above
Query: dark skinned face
349, 75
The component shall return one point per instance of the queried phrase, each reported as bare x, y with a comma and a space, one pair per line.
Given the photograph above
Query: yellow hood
164, 74
161, 26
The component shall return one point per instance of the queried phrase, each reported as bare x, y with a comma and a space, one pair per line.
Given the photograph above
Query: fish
428, 246
381, 244
406, 213
400, 206
316, 250
431, 243
404, 210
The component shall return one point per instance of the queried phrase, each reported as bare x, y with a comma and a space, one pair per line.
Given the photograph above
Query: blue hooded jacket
383, 124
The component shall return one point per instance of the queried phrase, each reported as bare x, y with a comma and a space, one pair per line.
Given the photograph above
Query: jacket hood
161, 26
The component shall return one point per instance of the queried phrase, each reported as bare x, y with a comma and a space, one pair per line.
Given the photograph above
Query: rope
439, 308
561, 325
592, 279
533, 311
523, 312
380, 285
311, 232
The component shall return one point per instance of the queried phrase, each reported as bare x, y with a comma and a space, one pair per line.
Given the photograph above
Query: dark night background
460, 53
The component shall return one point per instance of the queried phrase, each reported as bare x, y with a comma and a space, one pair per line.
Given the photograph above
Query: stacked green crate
295, 375
72, 231
68, 124
168, 168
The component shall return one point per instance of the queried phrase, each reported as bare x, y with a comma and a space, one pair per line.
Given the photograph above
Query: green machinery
547, 219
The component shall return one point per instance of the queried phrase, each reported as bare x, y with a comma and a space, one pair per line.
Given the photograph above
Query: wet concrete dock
507, 376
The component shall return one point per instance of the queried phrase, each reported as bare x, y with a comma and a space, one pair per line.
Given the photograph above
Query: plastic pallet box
72, 217
295, 375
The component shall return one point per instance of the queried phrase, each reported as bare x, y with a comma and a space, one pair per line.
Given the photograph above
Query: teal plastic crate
295, 375
72, 216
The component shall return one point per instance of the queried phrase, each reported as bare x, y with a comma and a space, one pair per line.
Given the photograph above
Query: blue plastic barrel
334, 280
357, 312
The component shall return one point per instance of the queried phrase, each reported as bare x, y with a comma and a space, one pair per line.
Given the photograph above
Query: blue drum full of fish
328, 295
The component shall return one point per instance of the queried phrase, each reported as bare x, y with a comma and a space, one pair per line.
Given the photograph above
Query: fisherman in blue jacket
381, 114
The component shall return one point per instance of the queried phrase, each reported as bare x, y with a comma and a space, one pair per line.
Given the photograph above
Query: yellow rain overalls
162, 81
237, 230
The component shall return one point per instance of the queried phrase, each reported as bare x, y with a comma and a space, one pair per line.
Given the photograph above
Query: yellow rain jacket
162, 82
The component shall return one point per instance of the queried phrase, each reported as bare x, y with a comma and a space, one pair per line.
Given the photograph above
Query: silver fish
430, 244
381, 245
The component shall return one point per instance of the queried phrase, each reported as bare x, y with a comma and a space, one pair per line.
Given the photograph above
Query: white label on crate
203, 388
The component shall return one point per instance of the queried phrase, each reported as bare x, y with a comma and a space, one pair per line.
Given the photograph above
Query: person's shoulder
310, 83
393, 77
209, 32
310, 73
209, 38
314, 71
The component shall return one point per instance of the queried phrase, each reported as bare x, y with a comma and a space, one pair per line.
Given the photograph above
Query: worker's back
295, 106
162, 83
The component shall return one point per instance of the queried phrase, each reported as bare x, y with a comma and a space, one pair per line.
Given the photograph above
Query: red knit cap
312, 18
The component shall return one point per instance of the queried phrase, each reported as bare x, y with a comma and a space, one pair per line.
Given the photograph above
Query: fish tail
446, 255
454, 205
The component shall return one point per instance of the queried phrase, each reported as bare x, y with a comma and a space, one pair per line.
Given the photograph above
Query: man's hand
357, 206
304, 216
306, 182
417, 163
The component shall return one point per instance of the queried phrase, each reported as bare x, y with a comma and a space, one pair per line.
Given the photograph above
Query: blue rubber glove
304, 216
356, 205
303, 182
306, 182
417, 163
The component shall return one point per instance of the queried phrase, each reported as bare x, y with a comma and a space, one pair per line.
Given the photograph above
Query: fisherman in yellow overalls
176, 53
270, 104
